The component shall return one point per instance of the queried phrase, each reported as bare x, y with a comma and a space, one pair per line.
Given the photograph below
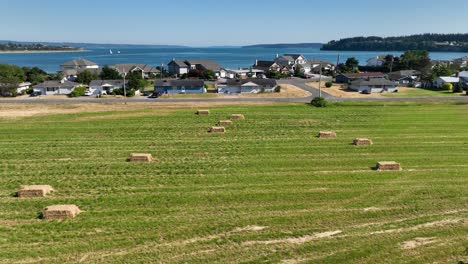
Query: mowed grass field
268, 190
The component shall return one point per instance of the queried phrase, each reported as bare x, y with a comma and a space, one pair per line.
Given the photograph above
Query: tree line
429, 42
33, 47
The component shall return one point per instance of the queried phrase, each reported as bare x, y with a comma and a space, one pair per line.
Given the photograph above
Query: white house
376, 61
251, 85
23, 87
243, 73
145, 69
373, 85
56, 87
99, 87
440, 81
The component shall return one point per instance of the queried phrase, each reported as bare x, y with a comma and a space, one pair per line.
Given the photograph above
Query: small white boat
110, 51
118, 52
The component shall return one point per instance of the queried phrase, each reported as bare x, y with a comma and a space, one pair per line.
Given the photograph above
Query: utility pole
337, 63
320, 81
124, 87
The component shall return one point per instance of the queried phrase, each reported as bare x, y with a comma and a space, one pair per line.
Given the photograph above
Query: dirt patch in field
440, 223
341, 90
295, 240
287, 91
418, 242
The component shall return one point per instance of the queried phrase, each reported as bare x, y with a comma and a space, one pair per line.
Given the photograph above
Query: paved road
301, 83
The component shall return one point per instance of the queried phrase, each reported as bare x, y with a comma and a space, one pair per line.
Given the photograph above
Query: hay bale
203, 112
225, 123
388, 166
59, 212
327, 134
362, 142
139, 157
30, 191
237, 117
217, 130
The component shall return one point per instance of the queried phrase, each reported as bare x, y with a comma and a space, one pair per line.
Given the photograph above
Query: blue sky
225, 22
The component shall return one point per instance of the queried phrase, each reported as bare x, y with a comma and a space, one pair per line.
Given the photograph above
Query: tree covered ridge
430, 42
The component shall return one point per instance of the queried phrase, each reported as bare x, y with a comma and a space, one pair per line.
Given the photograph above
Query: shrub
78, 91
328, 84
29, 91
447, 86
410, 85
319, 102
129, 92
278, 89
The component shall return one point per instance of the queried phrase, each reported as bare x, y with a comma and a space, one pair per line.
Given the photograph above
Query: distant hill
89, 45
429, 42
286, 46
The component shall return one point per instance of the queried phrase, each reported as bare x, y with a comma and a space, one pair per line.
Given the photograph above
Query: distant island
19, 47
429, 42
286, 46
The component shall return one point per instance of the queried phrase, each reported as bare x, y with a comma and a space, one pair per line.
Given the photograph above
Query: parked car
366, 92
88, 93
155, 95
36, 94
146, 93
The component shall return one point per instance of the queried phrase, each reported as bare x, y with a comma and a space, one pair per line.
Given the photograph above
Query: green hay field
268, 190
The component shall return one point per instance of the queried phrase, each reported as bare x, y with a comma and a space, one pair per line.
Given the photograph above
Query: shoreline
41, 51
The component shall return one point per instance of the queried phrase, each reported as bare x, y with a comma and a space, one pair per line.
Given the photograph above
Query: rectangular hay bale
203, 112
217, 130
29, 191
388, 166
60, 212
225, 123
327, 134
140, 157
237, 117
362, 142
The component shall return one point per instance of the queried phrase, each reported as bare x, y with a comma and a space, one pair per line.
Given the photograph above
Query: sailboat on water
110, 52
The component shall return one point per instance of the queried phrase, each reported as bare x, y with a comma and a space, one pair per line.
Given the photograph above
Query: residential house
374, 85
22, 87
462, 62
250, 85
349, 77
291, 60
266, 66
146, 70
317, 66
244, 73
440, 81
378, 61
463, 80
79, 64
180, 67
405, 77
56, 87
187, 86
72, 74
99, 87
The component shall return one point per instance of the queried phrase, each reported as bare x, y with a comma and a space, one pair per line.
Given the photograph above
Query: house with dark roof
349, 77
266, 66
405, 77
79, 64
249, 85
99, 87
374, 85
186, 86
146, 70
56, 87
180, 67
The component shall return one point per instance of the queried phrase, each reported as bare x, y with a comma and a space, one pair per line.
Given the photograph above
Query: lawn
268, 190
421, 92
